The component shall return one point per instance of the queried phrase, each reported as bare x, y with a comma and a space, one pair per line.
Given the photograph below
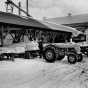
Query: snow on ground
36, 73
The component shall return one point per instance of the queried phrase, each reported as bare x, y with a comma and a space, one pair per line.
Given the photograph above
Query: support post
2, 28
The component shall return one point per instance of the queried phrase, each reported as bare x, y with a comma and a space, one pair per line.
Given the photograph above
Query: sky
51, 8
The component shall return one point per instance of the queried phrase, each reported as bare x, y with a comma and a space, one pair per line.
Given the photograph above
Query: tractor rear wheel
49, 55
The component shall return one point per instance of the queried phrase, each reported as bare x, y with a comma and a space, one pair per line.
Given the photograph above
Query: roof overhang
59, 27
31, 22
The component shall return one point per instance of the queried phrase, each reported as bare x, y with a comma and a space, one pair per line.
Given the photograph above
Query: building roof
82, 18
17, 20
30, 22
59, 27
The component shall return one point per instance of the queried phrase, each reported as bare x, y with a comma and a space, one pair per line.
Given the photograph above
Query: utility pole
19, 11
27, 6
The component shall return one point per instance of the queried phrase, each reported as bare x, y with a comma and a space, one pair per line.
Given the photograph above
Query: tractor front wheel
72, 58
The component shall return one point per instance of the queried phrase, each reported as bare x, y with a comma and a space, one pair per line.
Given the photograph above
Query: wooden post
2, 28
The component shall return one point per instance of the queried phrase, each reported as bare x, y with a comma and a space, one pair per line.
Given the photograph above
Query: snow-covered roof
82, 18
31, 22
8, 18
59, 27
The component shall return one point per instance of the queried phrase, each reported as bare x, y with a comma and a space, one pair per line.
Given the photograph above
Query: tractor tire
27, 55
79, 58
49, 55
72, 58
